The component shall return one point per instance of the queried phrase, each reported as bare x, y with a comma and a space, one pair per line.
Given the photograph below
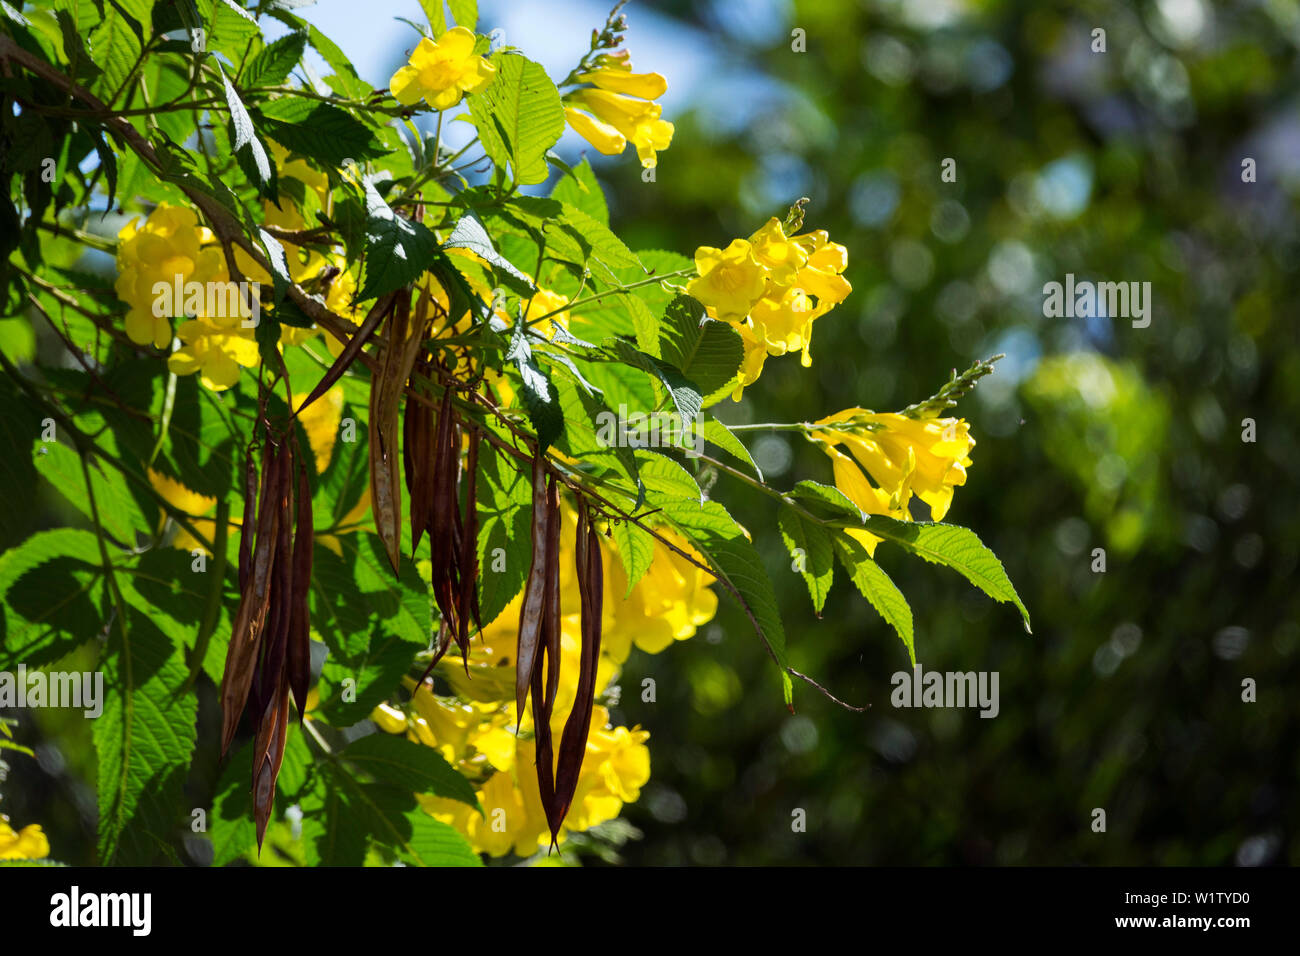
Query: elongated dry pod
573, 742
243, 654
530, 615
469, 546
299, 660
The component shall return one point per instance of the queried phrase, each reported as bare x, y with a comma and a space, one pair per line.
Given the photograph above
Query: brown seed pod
530, 615
573, 742
245, 649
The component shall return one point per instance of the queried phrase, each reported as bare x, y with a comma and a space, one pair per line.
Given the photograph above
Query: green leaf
355, 597
955, 547
230, 28
519, 116
434, 843
707, 352
732, 556
536, 391
605, 246
465, 13
45, 615
635, 548
397, 249
377, 673
119, 515
274, 62
712, 430
318, 130
504, 543
248, 147
436, 11
581, 191
876, 586
143, 740
685, 393
828, 498
468, 233
809, 545
409, 766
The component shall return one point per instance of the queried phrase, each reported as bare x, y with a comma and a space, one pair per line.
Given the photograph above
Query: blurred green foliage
1116, 166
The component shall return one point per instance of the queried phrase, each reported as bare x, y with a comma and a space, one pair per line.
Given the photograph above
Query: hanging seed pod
299, 660
530, 615
573, 742
245, 648
443, 517
468, 571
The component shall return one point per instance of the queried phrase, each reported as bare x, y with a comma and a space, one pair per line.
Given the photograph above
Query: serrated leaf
275, 61
318, 130
468, 233
684, 393
504, 546
715, 534
464, 12
635, 549
828, 497
144, 739
119, 515
581, 190
955, 547
397, 249
519, 116
409, 766
812, 557
876, 586
712, 430
256, 164
707, 352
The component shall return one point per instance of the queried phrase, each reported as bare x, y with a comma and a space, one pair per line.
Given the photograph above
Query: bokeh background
1117, 166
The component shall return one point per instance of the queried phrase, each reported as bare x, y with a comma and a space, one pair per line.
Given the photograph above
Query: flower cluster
771, 287
618, 108
475, 730
169, 247
925, 457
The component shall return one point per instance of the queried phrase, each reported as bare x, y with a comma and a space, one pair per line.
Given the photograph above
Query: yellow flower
637, 121
29, 843
613, 72
755, 355
604, 137
389, 719
927, 457
782, 257
321, 423
191, 504
170, 244
214, 351
730, 280
618, 109
442, 71
543, 302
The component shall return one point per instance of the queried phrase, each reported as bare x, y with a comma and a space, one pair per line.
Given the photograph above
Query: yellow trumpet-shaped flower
442, 71
730, 280
613, 72
29, 843
771, 287
615, 115
214, 351
603, 136
926, 457
169, 247
190, 503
